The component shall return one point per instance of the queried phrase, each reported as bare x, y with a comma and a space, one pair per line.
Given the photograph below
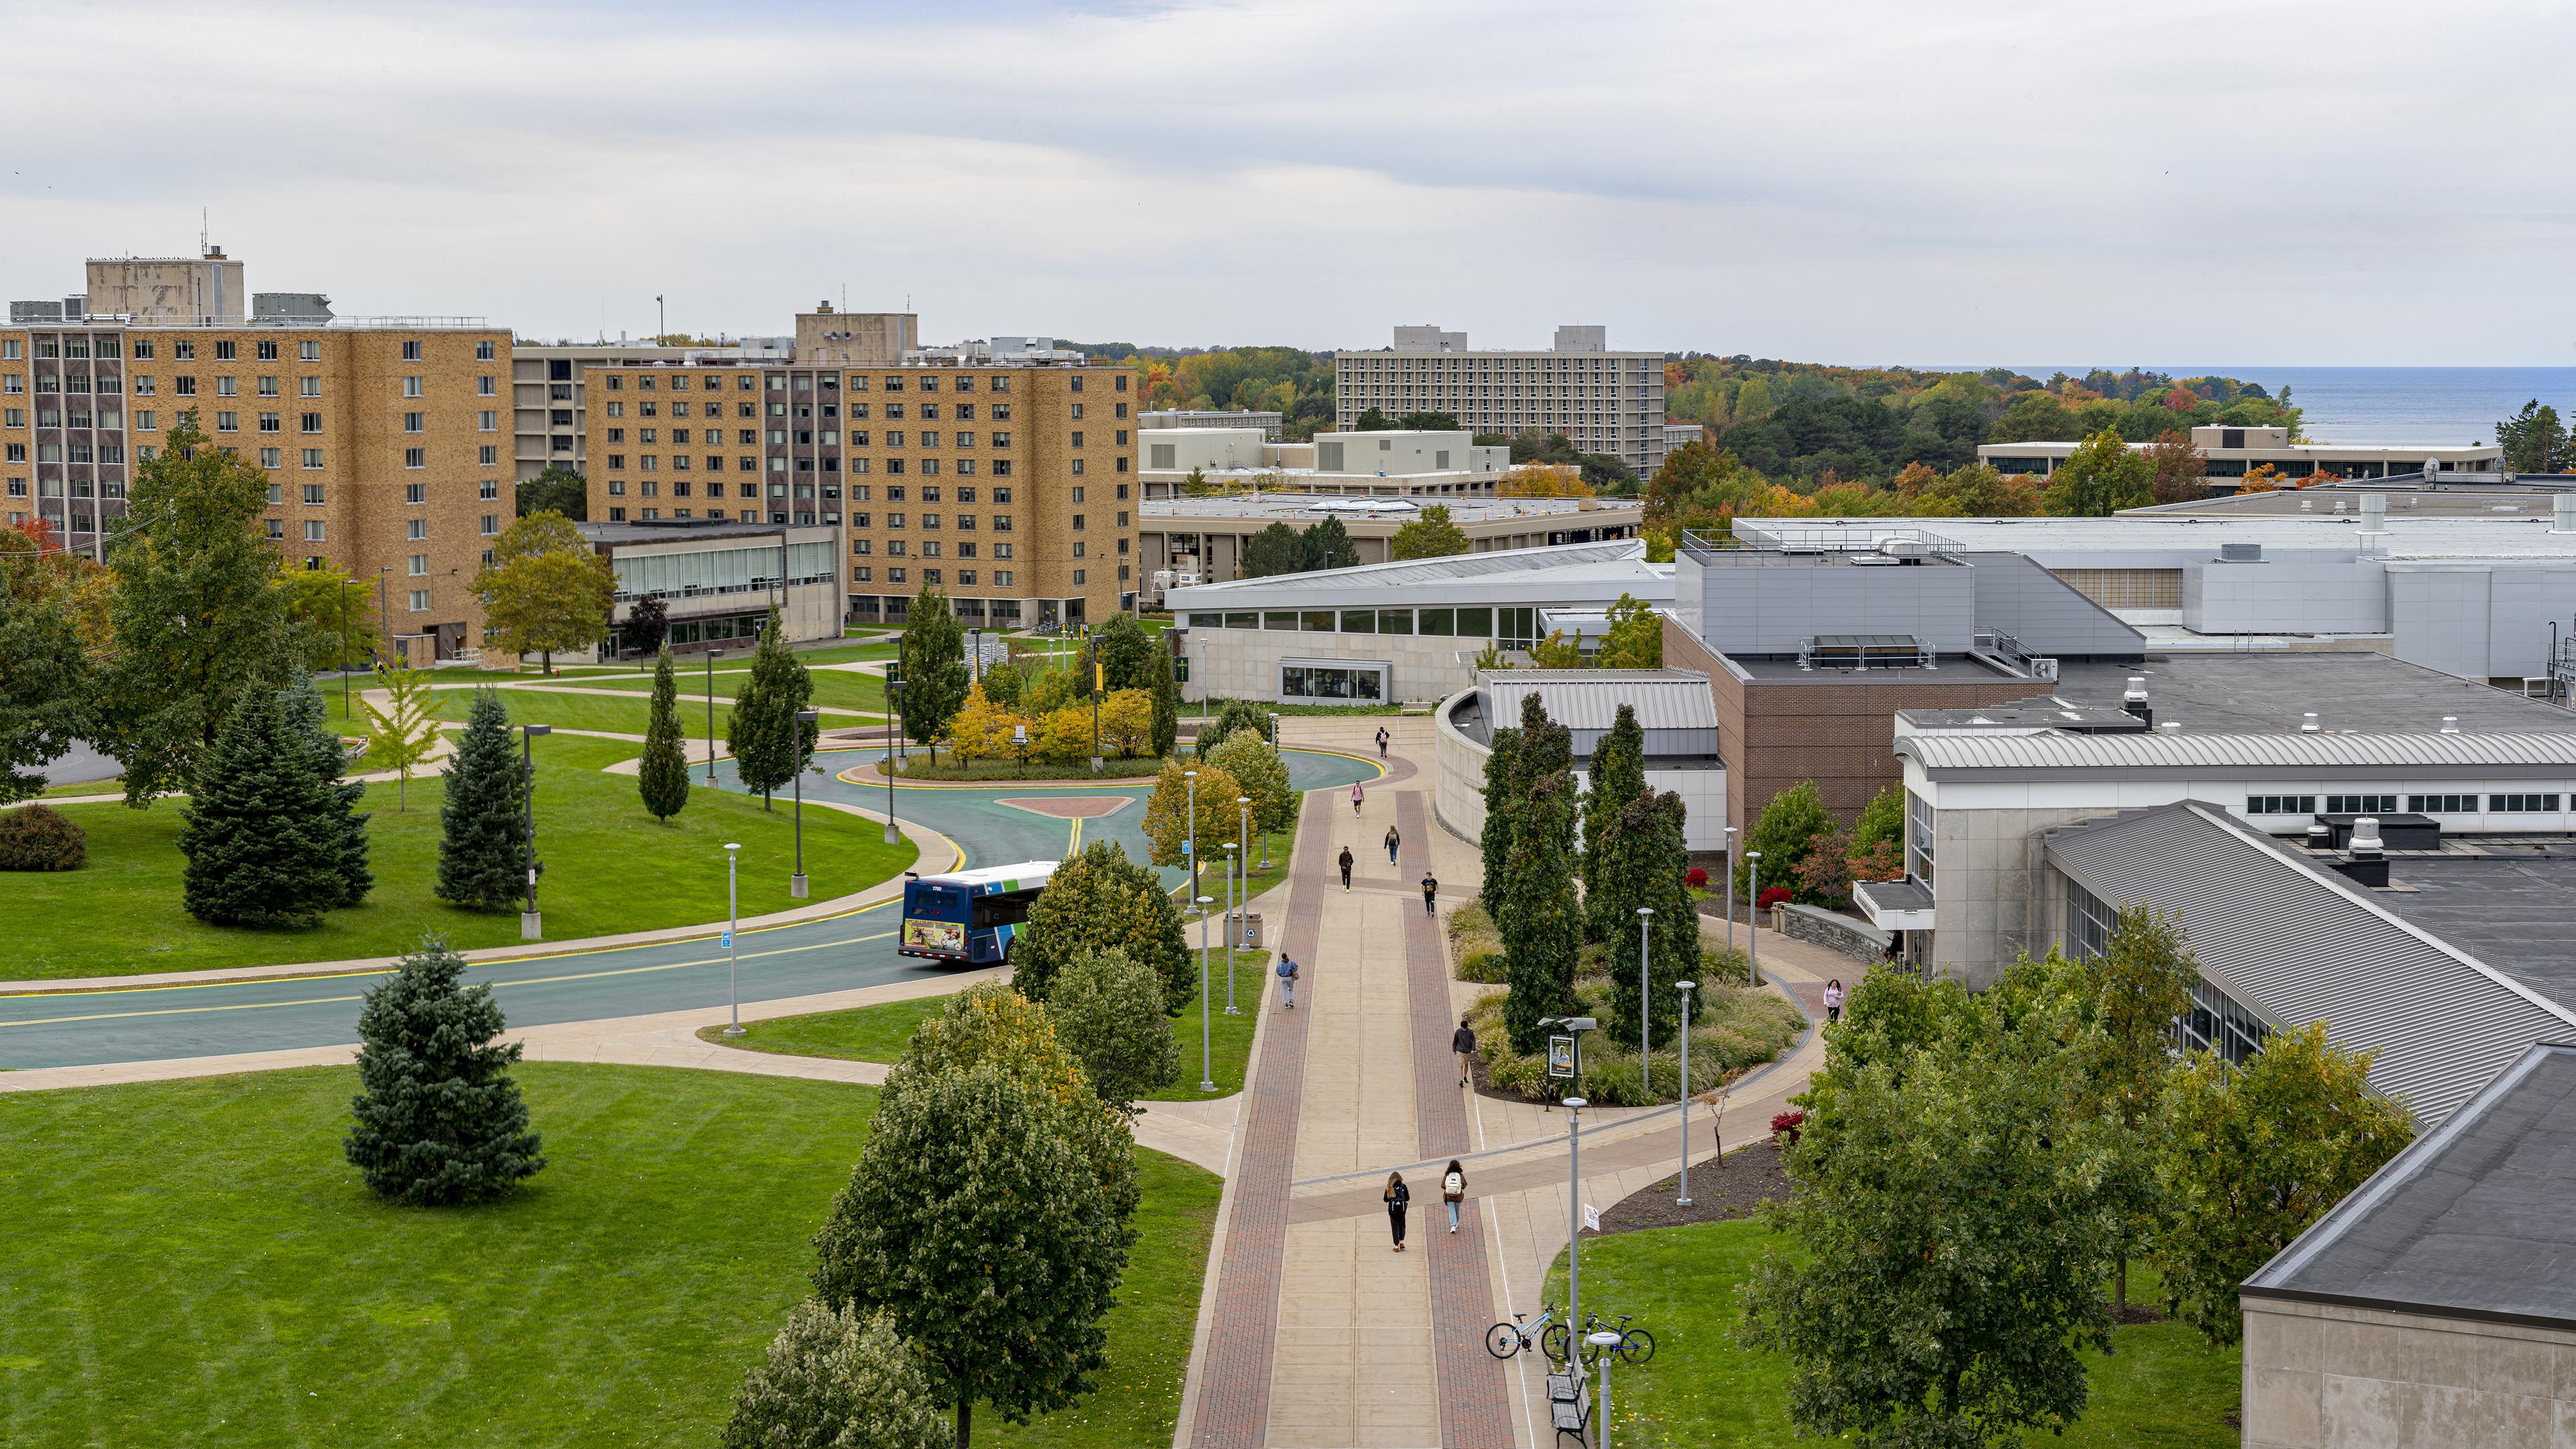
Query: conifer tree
1647, 860
1545, 933
1167, 702
1618, 778
267, 839
337, 817
662, 776
1502, 780
483, 834
933, 656
768, 746
438, 1120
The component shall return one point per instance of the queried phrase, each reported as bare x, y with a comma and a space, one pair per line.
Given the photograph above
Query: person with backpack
1453, 1190
1382, 738
1346, 862
1398, 1198
1393, 840
1287, 971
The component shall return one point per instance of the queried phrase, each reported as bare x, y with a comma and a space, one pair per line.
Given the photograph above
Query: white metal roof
1556, 574
2051, 540
1026, 873
1589, 699
2285, 750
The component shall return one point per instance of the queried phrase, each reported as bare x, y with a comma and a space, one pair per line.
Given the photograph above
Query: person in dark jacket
1453, 1190
1392, 841
1463, 1042
1398, 1198
1430, 894
1346, 862
1382, 738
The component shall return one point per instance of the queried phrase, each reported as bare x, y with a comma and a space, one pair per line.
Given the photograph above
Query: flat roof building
1205, 536
2234, 452
1390, 464
1269, 424
1601, 401
717, 579
1672, 706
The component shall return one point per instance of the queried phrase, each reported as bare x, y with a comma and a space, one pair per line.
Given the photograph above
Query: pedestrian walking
1398, 1198
1347, 861
1463, 1042
1453, 1189
1356, 797
1430, 894
1382, 738
1392, 841
1833, 1001
1287, 970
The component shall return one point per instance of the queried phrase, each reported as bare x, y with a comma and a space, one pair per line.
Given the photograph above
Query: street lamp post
1229, 930
1605, 1341
975, 655
1091, 646
1730, 887
384, 615
712, 656
1685, 986
1207, 1076
346, 648
733, 923
1243, 832
1646, 1005
1577, 1026
1190, 847
1753, 923
531, 925
894, 707
796, 754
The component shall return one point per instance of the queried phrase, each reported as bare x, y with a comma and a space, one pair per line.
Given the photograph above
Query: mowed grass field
609, 867
2162, 1387
195, 1263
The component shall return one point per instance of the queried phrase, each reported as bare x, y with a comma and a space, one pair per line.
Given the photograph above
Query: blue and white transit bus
970, 916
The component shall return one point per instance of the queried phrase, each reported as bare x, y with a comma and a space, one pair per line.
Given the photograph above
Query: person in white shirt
1833, 1000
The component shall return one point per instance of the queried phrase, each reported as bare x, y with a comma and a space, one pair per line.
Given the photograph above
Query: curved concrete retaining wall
1857, 939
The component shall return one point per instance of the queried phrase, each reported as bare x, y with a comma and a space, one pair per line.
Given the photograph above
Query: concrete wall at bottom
2325, 1376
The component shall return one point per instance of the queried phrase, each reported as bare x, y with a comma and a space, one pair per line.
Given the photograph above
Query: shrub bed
1475, 947
1734, 1028
39, 837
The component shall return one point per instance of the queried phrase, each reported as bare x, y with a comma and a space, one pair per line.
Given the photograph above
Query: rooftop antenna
203, 229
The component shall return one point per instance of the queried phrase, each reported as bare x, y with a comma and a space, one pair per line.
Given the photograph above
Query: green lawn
880, 1033
609, 713
114, 786
195, 1263
835, 688
122, 912
2160, 1389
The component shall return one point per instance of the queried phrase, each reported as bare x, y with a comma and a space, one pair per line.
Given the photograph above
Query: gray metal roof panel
1589, 699
2324, 750
2297, 943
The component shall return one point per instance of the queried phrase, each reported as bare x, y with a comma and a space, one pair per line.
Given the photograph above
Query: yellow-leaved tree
545, 589
1127, 722
980, 729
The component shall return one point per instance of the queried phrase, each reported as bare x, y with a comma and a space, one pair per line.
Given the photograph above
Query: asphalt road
833, 954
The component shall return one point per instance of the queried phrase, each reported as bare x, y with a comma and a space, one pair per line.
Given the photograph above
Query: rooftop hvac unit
2240, 553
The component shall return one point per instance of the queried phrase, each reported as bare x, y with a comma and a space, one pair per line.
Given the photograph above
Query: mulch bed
1752, 1175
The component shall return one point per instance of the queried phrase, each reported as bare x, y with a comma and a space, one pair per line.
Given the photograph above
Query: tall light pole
531, 925
1229, 930
712, 656
975, 659
346, 649
1577, 1026
1190, 847
1207, 1076
733, 923
384, 608
1646, 1005
796, 755
1685, 986
1243, 832
1752, 923
894, 706
1730, 887
1091, 646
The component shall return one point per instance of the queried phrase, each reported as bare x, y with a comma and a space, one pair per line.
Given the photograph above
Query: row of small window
81, 488
414, 494
966, 578
894, 467
928, 413
417, 533
828, 382
930, 548
184, 349
805, 438
2387, 804
1468, 623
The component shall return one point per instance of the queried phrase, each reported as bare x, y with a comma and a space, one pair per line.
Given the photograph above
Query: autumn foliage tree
546, 590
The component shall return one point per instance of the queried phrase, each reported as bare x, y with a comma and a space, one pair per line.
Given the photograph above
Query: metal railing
1752, 535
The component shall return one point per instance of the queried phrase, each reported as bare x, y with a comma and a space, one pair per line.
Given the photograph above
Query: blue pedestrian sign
725, 939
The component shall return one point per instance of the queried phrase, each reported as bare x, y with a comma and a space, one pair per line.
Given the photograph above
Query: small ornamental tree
836, 1379
1064, 736
1127, 721
1168, 815
1618, 778
1785, 832
438, 1120
1433, 535
1544, 933
401, 734
1167, 702
1100, 900
1233, 715
339, 827
2253, 1155
1125, 650
1108, 1011
980, 729
266, 839
483, 834
1636, 637
768, 746
662, 776
932, 657
1259, 773
648, 626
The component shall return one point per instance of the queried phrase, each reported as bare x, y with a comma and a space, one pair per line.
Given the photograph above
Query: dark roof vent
2240, 553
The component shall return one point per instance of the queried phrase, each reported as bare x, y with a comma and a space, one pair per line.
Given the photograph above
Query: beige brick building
383, 441
1009, 485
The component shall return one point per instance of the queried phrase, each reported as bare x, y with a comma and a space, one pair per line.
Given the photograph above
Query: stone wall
1857, 939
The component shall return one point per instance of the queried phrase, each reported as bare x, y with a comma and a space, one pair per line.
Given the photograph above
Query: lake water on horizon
2446, 406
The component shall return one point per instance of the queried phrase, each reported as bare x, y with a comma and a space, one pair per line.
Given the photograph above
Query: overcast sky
2351, 182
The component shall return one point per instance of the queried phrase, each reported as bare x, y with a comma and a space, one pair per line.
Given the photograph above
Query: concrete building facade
717, 580
1672, 706
1206, 536
1269, 423
2234, 452
1602, 401
1409, 464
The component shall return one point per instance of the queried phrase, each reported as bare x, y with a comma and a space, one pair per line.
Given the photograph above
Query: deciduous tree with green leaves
1233, 716
556, 490
836, 1379
1277, 549
483, 832
1167, 815
768, 746
662, 775
197, 616
332, 616
933, 660
1433, 535
2253, 1154
1100, 900
1259, 773
1108, 1011
1786, 832
2133, 991
546, 590
44, 693
1167, 701
1635, 639
437, 1120
2101, 477
400, 734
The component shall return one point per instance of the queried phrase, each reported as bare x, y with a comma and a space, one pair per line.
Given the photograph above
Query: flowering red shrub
1784, 1127
1772, 896
1697, 879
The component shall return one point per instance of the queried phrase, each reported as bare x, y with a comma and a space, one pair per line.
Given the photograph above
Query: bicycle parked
1505, 1340
1635, 1346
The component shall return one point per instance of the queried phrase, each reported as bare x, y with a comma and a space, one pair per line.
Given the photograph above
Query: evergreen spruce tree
438, 1120
483, 834
1502, 778
933, 655
307, 720
1167, 703
1647, 860
1618, 778
266, 837
1546, 931
762, 731
662, 776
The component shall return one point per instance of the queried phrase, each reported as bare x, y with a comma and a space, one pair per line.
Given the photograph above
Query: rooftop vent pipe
2562, 513
2450, 724
2365, 862
2374, 510
2320, 837
2308, 724
2135, 699
2171, 727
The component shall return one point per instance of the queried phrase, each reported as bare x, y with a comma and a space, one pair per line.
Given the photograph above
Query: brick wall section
1475, 1411
1234, 1381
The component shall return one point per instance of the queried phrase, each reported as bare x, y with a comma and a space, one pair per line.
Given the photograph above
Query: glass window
1918, 837
1318, 621
1476, 623
1359, 621
1207, 621
1437, 621
1243, 621
1395, 621
1279, 619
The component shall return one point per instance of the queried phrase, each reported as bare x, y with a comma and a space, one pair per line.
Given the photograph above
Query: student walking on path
1392, 841
1398, 1198
1430, 894
1347, 860
1453, 1189
1463, 1042
1356, 797
1833, 1000
1287, 969
1382, 738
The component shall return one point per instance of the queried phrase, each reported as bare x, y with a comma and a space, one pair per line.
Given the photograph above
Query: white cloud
2360, 182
